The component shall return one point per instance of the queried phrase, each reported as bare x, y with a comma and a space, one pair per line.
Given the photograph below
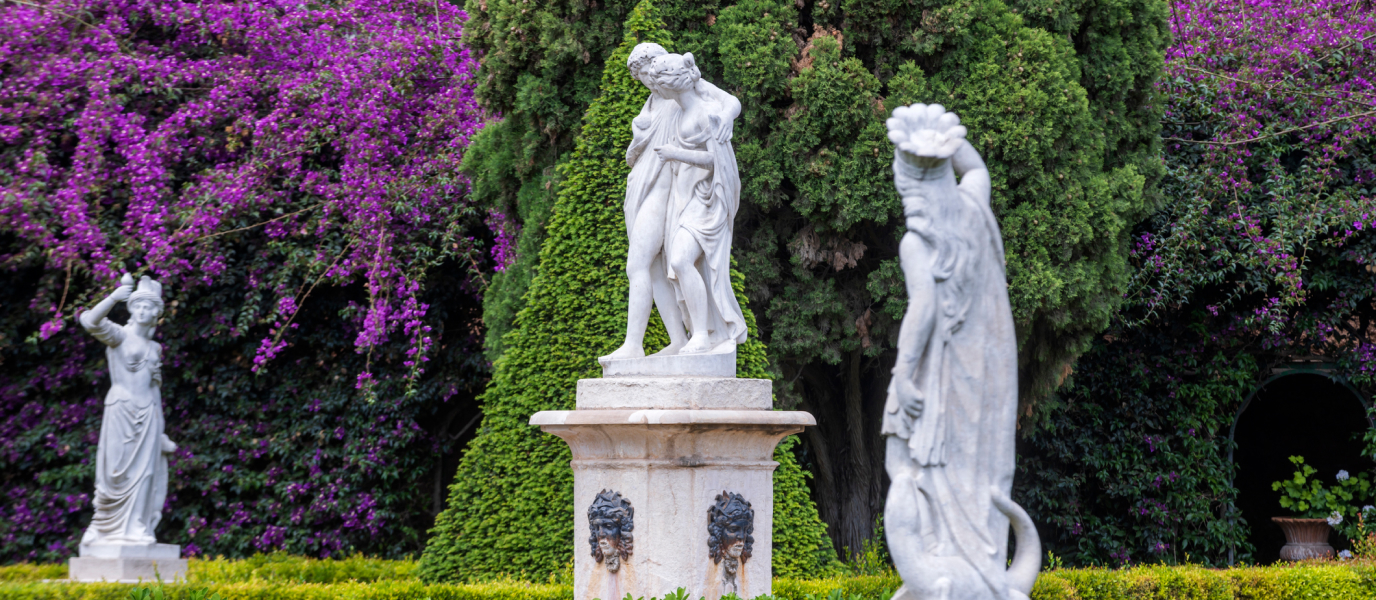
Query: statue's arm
974, 175
915, 257
731, 108
640, 131
97, 325
698, 158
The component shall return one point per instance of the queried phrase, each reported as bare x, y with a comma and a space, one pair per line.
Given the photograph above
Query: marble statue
131, 460
681, 200
951, 413
611, 521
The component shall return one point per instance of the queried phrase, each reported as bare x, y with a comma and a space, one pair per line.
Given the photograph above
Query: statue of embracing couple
681, 201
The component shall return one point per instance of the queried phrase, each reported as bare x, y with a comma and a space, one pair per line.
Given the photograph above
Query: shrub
1311, 581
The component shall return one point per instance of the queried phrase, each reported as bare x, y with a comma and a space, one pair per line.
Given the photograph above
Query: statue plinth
127, 563
691, 462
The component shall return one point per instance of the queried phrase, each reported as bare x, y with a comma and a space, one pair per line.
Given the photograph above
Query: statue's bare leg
646, 242
667, 304
684, 258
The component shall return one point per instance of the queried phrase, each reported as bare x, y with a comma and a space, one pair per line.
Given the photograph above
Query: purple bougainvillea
289, 171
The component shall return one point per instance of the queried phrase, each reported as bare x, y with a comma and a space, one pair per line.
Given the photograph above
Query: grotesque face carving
730, 523
611, 520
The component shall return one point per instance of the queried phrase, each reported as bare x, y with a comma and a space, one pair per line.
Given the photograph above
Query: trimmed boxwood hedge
278, 577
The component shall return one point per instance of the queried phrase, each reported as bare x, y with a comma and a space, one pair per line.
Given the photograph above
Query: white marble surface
131, 459
951, 413
717, 364
682, 195
126, 570
696, 393
671, 465
158, 551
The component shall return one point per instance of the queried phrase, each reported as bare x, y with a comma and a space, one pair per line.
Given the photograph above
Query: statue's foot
627, 350
726, 347
698, 345
671, 349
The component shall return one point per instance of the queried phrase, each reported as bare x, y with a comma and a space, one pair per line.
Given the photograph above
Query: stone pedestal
127, 563
673, 447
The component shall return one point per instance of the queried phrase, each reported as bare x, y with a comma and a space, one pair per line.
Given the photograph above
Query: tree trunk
844, 450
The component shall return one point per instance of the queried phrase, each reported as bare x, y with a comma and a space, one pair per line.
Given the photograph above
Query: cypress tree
510, 508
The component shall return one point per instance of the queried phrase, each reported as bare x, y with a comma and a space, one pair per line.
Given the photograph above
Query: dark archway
1301, 412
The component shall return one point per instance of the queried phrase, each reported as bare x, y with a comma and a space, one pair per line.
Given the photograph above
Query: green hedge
257, 590
1311, 581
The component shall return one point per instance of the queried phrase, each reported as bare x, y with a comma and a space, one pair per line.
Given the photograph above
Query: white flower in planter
1342, 475
1335, 518
1345, 555
1368, 507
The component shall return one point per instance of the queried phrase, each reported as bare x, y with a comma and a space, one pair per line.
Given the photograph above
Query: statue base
127, 563
672, 446
721, 364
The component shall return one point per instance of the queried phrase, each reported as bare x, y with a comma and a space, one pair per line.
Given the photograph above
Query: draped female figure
131, 462
951, 414
653, 218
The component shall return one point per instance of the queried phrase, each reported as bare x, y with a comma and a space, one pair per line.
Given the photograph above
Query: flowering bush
289, 171
1263, 250
1269, 130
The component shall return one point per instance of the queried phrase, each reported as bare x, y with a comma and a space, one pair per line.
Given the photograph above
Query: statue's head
730, 523
642, 56
145, 304
611, 521
676, 73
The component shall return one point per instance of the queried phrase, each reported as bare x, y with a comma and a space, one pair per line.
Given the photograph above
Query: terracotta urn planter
1304, 538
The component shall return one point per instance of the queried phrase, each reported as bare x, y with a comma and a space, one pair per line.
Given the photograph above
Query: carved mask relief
730, 523
610, 518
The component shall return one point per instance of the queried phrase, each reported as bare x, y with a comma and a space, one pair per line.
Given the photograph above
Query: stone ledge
679, 365
746, 418
126, 570
693, 393
153, 551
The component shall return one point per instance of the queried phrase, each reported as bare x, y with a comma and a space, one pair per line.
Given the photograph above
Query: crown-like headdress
149, 289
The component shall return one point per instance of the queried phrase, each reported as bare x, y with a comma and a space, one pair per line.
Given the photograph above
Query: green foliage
280, 567
1132, 469
32, 572
257, 590
1340, 504
801, 546
500, 517
1309, 580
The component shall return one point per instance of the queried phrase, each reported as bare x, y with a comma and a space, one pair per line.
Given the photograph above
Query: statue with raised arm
951, 414
131, 461
681, 199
